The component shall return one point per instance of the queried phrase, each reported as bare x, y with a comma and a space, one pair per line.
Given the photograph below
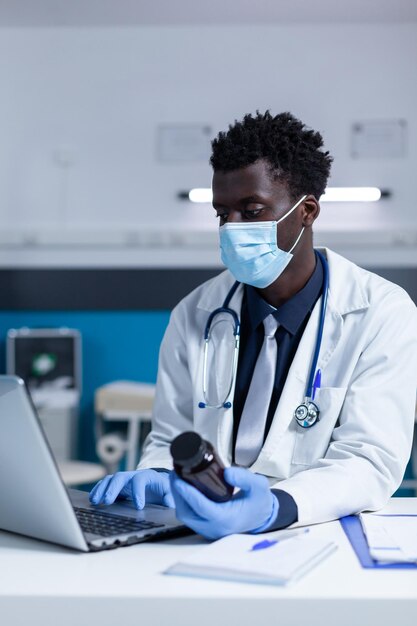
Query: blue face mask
250, 251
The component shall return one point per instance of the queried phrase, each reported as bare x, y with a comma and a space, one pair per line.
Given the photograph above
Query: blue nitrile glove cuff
286, 514
271, 519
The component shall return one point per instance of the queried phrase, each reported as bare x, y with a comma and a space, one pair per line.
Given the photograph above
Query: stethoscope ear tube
308, 413
311, 379
225, 403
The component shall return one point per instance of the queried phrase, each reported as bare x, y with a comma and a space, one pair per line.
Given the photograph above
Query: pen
267, 543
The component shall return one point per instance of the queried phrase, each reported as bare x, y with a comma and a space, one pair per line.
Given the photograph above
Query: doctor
314, 410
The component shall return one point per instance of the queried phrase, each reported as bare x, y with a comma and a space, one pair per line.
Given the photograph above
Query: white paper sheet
234, 558
391, 538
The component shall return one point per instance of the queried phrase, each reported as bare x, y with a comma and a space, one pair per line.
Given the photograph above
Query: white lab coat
354, 458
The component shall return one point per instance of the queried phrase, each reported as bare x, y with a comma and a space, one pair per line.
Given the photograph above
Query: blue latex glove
253, 509
142, 486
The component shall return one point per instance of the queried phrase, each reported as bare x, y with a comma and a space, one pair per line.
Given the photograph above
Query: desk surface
44, 584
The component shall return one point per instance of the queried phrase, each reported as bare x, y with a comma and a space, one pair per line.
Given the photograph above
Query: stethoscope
307, 413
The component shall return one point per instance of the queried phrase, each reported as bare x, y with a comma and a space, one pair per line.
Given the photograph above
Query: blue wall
116, 345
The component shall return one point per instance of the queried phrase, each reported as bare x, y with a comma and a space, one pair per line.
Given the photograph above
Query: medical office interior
107, 111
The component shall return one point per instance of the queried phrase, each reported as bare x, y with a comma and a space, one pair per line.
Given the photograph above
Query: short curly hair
293, 151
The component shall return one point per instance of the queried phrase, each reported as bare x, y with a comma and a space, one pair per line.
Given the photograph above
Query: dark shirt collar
292, 313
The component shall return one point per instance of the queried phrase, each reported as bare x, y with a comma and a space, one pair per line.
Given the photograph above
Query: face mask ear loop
298, 239
291, 210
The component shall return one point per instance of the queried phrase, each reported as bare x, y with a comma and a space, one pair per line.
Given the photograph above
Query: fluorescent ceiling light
351, 194
200, 195
332, 194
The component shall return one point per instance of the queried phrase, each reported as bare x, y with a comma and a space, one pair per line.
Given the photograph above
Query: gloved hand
253, 509
142, 486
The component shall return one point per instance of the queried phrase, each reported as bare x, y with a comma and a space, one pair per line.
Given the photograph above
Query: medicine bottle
196, 462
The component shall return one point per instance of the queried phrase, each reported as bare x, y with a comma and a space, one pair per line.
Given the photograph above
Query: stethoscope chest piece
307, 414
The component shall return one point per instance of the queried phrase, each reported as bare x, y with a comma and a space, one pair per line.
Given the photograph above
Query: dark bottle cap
188, 449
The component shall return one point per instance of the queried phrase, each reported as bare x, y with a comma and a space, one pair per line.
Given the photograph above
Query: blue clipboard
353, 530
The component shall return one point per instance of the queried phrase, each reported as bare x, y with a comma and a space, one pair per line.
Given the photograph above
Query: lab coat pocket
311, 443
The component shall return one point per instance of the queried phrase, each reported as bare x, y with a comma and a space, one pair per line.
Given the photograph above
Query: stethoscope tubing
236, 331
313, 368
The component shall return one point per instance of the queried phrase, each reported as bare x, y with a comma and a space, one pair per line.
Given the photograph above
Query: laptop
35, 502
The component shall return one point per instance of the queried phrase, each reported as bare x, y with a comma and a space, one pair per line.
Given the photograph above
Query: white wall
98, 95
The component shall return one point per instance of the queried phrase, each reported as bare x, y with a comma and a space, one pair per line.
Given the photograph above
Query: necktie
251, 430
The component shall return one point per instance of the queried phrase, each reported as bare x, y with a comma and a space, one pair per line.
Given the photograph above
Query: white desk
47, 585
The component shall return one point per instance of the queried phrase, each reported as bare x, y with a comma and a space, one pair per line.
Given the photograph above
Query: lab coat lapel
295, 387
225, 423
217, 424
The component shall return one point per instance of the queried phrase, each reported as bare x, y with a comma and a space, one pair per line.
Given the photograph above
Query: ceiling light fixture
332, 194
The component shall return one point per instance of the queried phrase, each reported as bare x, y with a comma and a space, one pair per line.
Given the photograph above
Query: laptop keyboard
108, 524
